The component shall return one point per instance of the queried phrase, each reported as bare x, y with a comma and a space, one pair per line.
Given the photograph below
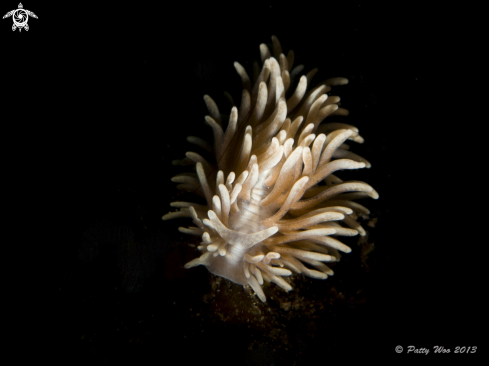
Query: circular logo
399, 349
20, 17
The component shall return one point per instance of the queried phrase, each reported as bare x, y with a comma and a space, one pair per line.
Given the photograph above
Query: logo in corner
20, 17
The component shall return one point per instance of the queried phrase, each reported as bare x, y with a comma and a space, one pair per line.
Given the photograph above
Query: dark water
103, 101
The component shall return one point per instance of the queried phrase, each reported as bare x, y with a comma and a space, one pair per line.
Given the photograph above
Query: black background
97, 102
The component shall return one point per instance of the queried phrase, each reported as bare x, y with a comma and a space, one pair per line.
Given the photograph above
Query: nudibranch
273, 205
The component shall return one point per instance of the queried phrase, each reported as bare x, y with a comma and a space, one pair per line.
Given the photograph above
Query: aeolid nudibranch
274, 206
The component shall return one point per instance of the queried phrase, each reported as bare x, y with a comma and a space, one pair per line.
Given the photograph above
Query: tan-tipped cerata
270, 203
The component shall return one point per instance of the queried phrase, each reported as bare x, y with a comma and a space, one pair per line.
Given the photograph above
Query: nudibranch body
274, 206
